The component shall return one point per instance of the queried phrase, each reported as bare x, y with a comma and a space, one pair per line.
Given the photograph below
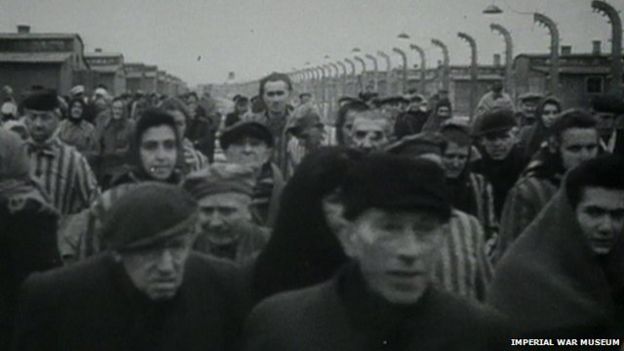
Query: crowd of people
147, 222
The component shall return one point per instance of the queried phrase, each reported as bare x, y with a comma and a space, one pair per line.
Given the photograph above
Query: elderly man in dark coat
397, 214
147, 291
563, 276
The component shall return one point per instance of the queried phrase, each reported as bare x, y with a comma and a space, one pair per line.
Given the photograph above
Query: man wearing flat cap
397, 212
250, 143
502, 158
147, 291
225, 227
609, 111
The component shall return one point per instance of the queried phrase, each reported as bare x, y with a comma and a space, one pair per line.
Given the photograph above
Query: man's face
76, 110
41, 124
528, 107
347, 127
369, 134
117, 109
578, 145
498, 145
249, 151
395, 251
180, 121
100, 102
455, 159
606, 123
550, 113
159, 152
600, 214
275, 96
219, 216
159, 272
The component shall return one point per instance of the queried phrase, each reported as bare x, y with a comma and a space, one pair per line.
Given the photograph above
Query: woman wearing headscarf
28, 226
155, 155
303, 249
77, 132
532, 137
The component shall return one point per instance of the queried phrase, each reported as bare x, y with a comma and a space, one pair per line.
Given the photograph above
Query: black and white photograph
311, 175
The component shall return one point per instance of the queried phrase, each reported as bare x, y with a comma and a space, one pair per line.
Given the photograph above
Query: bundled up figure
28, 225
563, 276
77, 132
574, 140
442, 111
146, 291
533, 136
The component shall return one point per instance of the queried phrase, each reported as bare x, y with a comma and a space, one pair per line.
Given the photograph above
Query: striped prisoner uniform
463, 267
524, 202
64, 174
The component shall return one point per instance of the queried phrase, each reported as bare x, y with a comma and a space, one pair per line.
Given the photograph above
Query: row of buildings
58, 61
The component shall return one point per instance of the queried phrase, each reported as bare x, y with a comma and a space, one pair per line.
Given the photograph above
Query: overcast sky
202, 40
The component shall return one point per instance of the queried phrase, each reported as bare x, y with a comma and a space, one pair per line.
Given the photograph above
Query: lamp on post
375, 71
445, 63
404, 59
473, 70
508, 54
554, 50
352, 80
423, 67
362, 75
388, 70
613, 17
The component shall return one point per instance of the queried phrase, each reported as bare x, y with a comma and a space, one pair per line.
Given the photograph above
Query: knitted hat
148, 216
244, 129
494, 121
42, 100
392, 182
220, 178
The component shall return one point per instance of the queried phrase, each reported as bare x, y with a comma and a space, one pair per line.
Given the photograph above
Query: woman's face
550, 113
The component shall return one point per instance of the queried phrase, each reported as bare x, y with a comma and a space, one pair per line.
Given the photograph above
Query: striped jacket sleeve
463, 267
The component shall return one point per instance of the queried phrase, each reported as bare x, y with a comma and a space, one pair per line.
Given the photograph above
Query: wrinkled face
600, 214
606, 122
248, 151
578, 145
395, 251
76, 110
455, 159
100, 102
159, 152
41, 124
347, 127
369, 134
498, 145
528, 108
219, 215
549, 114
444, 112
117, 109
180, 121
276, 95
159, 272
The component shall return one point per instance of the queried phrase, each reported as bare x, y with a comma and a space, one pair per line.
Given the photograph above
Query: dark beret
148, 216
418, 144
494, 121
392, 182
243, 129
42, 100
393, 100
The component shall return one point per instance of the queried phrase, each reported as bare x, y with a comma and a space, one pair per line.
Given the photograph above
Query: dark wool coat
93, 305
550, 283
343, 315
27, 244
